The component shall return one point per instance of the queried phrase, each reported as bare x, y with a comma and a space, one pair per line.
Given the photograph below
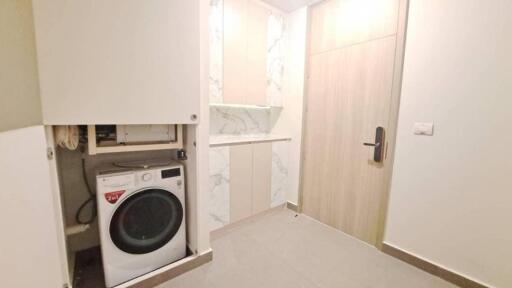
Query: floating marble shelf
243, 106
226, 140
239, 106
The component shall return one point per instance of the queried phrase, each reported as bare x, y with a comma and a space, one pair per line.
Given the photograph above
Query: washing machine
141, 214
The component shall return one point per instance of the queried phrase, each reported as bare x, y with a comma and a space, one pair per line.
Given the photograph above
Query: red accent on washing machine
113, 196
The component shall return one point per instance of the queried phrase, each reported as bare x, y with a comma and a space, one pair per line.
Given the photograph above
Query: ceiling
289, 5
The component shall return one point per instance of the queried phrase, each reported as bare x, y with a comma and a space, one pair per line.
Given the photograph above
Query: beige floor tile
286, 250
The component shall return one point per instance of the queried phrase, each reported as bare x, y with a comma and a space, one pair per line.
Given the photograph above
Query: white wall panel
20, 105
280, 186
219, 200
31, 255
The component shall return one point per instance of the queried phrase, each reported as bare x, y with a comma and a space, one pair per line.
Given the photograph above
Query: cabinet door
235, 51
31, 243
261, 177
245, 52
118, 61
240, 187
257, 19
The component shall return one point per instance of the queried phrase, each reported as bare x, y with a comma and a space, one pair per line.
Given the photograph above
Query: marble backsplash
279, 186
219, 198
216, 50
227, 120
275, 59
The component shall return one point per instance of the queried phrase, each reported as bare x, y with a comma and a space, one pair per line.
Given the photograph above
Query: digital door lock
380, 137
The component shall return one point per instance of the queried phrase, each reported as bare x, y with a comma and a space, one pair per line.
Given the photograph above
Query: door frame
393, 114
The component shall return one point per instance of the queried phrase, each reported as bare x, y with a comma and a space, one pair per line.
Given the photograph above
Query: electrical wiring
92, 196
67, 136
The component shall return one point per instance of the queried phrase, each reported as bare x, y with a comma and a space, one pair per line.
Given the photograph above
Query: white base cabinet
250, 170
246, 180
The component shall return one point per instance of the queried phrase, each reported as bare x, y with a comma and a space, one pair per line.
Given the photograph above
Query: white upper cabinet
246, 53
118, 61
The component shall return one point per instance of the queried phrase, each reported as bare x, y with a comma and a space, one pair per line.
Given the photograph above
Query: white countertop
224, 140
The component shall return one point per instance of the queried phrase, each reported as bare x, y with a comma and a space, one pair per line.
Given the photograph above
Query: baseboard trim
163, 275
431, 268
292, 206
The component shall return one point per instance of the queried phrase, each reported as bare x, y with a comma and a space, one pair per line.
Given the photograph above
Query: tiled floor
281, 250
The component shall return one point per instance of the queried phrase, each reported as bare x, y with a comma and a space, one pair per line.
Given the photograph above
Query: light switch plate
424, 128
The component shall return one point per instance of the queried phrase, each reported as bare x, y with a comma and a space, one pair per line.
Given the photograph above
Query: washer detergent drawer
121, 181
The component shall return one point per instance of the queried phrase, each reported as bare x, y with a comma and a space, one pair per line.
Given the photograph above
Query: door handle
380, 136
372, 144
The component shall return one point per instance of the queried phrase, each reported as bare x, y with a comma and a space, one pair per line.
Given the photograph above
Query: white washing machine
141, 216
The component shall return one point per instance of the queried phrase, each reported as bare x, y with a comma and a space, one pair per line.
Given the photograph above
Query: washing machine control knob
146, 177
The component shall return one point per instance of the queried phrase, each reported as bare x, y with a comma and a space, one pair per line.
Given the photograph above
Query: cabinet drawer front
261, 177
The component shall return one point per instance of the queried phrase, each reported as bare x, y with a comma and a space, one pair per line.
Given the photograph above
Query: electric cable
92, 196
67, 136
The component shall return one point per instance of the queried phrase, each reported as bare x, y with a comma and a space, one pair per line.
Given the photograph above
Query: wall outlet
424, 128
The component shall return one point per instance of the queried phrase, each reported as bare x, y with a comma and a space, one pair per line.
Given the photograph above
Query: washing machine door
146, 221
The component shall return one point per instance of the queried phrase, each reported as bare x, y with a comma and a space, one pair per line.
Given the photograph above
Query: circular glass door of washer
146, 221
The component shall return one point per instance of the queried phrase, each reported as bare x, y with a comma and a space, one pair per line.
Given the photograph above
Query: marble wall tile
216, 53
279, 186
275, 59
219, 188
226, 120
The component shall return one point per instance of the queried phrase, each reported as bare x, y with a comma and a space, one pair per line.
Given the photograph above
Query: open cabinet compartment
97, 148
72, 192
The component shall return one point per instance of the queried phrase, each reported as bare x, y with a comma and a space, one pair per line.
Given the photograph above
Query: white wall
20, 105
451, 201
289, 119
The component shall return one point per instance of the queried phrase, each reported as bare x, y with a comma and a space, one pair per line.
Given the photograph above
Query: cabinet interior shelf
114, 147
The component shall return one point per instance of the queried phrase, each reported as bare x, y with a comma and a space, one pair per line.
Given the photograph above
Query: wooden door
349, 89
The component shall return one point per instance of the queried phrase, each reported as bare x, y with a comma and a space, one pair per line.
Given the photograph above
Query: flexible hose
90, 201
